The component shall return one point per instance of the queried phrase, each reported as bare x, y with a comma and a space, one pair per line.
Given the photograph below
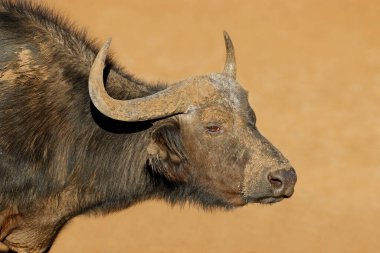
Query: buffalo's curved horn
230, 65
173, 100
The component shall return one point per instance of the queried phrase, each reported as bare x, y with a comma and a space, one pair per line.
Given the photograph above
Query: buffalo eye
214, 129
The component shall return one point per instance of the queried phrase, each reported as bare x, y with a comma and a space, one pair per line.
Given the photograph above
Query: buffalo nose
282, 182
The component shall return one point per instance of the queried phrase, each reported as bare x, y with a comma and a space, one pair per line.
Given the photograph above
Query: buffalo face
228, 157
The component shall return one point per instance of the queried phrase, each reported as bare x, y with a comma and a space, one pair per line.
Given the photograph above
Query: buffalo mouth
265, 200
270, 200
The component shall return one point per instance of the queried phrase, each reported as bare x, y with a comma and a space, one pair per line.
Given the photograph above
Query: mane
63, 31
70, 55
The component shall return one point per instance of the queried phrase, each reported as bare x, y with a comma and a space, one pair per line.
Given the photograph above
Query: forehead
231, 93
218, 113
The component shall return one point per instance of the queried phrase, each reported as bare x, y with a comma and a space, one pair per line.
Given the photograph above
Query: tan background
313, 72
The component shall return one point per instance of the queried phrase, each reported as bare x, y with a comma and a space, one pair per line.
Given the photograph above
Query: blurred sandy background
313, 72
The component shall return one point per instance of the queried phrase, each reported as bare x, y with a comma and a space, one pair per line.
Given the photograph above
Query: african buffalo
78, 134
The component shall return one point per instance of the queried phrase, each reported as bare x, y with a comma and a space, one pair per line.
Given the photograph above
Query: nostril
276, 182
282, 182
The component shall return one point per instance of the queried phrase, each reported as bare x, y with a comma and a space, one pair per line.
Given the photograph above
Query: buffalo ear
166, 152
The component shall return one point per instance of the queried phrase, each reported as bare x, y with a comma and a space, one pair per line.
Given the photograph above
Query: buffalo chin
265, 200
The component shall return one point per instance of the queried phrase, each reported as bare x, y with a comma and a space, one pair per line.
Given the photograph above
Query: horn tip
226, 35
107, 43
227, 40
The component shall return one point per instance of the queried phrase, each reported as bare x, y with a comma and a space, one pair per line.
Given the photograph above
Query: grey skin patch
12, 51
232, 91
24, 63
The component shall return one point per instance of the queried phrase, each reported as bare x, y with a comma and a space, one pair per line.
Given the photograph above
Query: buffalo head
204, 135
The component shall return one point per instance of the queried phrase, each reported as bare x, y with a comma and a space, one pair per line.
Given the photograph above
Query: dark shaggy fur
50, 124
53, 141
60, 157
52, 138
60, 139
